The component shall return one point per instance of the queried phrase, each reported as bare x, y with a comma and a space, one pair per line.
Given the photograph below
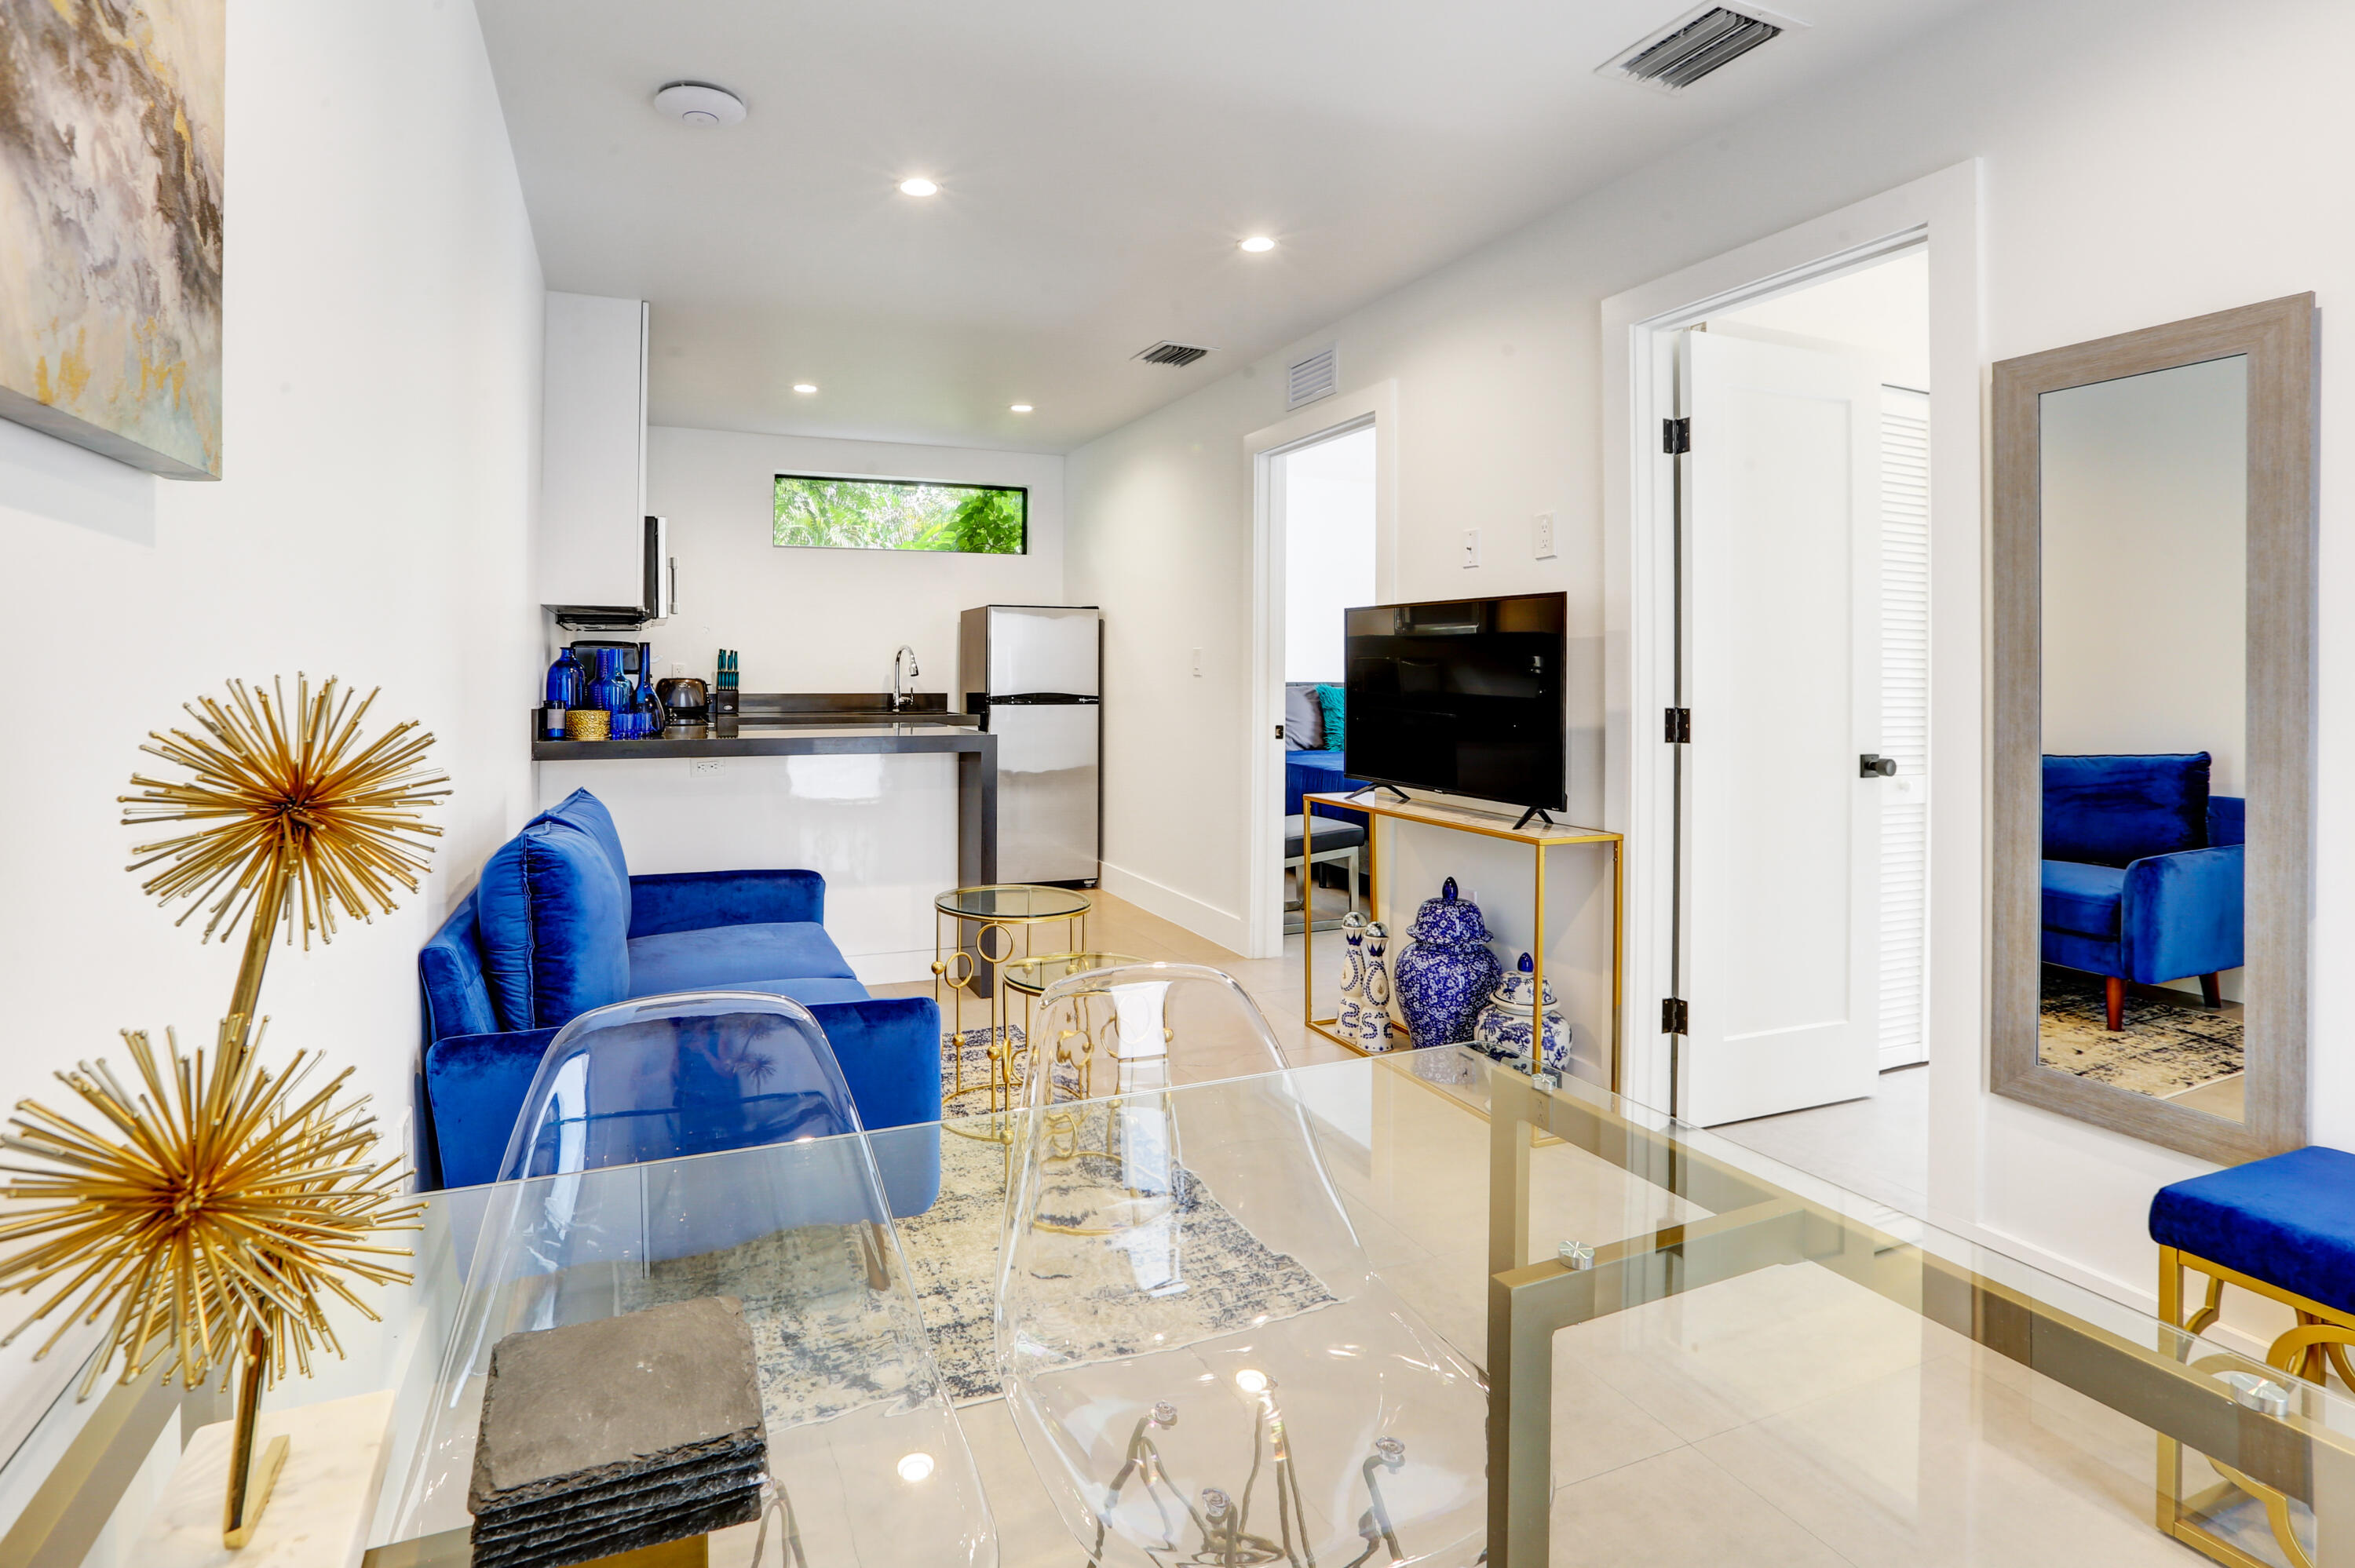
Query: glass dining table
1693, 1355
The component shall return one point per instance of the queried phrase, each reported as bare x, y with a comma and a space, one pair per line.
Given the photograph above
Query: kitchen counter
891, 811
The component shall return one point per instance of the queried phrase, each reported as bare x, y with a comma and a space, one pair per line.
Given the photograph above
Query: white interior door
1780, 903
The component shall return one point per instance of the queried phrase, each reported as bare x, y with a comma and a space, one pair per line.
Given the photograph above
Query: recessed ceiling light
1258, 243
917, 187
1021, 408
914, 1467
804, 388
700, 104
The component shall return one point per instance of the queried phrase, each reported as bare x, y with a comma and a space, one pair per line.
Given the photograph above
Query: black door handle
1870, 765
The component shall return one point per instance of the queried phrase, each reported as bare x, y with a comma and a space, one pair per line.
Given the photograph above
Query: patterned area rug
2165, 1048
825, 1343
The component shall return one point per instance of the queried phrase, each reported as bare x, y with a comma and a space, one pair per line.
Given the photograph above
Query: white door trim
1638, 328
1375, 405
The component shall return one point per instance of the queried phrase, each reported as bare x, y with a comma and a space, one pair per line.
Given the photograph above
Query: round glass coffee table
1026, 979
977, 931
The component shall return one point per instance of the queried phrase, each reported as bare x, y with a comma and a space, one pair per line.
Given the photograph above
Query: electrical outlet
1471, 547
679, 666
1541, 536
706, 766
1198, 663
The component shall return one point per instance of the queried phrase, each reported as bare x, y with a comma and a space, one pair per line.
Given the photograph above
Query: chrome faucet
904, 700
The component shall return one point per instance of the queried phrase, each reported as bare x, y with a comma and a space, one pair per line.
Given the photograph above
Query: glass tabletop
1013, 901
1695, 1355
1035, 975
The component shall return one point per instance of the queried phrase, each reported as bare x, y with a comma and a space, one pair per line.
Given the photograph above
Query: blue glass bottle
567, 680
649, 705
610, 690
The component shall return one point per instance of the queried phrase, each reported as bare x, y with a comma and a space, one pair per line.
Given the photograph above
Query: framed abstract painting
110, 222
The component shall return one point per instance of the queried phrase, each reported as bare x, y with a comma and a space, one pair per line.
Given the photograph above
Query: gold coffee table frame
966, 959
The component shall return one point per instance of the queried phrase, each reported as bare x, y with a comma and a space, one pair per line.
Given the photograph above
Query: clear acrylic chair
1201, 1362
704, 1144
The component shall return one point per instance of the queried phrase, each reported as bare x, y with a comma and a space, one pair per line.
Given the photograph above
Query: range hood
659, 601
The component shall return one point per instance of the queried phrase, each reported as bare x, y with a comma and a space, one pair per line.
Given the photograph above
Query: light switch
1541, 536
1198, 663
1471, 547
679, 666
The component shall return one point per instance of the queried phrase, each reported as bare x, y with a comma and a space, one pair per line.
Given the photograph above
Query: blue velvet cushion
809, 992
2183, 915
457, 998
1334, 703
583, 810
2082, 898
723, 955
2113, 810
2288, 1221
2228, 819
697, 900
554, 921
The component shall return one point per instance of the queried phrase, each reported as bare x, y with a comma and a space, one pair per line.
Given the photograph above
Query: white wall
1328, 549
2145, 548
2132, 176
372, 521
829, 621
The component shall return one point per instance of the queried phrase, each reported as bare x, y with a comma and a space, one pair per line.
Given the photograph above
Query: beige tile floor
1785, 1418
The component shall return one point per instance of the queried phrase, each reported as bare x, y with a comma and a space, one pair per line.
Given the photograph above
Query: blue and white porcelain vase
1443, 978
1377, 1031
1353, 975
1505, 1026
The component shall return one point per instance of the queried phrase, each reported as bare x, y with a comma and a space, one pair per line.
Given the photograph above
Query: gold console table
1539, 837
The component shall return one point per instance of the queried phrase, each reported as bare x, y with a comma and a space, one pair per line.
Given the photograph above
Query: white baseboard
1224, 927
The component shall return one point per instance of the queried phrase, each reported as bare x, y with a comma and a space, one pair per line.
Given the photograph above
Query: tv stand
1361, 794
1385, 818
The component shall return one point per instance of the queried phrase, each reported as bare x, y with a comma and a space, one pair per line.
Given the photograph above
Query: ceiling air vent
1311, 378
1176, 355
1696, 43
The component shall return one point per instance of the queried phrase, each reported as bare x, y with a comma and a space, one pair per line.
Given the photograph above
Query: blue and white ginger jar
1443, 979
1505, 1025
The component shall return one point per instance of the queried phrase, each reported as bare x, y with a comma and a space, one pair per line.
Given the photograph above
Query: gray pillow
1303, 718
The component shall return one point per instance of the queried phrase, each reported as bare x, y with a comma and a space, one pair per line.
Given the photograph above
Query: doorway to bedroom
1322, 505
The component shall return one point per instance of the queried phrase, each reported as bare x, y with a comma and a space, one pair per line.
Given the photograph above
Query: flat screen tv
1461, 696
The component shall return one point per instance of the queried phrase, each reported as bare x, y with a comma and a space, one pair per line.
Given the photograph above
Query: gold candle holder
588, 724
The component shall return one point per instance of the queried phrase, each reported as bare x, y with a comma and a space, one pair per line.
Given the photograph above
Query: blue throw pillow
2115, 809
585, 811
554, 921
1332, 700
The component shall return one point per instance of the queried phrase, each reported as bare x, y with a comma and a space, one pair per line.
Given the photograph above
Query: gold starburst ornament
215, 1205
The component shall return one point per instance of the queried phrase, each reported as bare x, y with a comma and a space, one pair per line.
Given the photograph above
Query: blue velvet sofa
557, 926
2142, 872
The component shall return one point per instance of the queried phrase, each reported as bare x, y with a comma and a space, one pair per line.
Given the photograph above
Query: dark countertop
760, 738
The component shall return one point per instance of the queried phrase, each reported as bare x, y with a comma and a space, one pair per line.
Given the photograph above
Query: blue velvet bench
558, 927
2283, 1228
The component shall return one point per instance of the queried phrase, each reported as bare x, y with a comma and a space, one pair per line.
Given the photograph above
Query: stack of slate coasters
599, 1438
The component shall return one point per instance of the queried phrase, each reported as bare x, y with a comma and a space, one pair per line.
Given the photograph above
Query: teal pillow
1331, 700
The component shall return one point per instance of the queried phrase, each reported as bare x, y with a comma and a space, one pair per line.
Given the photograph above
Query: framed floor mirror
2154, 654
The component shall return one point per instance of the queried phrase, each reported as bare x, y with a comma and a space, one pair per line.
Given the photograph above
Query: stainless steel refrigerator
1030, 673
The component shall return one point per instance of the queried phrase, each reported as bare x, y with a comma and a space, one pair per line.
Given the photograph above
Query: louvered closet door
1904, 725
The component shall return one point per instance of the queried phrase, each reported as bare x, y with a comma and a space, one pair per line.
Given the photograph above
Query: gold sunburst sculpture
217, 1204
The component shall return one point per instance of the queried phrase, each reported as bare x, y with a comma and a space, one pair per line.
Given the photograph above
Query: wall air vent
1175, 354
1318, 375
1696, 43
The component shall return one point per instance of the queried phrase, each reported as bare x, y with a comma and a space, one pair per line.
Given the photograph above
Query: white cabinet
593, 481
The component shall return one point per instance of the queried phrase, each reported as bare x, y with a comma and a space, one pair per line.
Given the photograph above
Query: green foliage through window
900, 514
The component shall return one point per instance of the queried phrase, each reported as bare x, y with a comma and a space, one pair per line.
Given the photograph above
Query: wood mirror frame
2278, 338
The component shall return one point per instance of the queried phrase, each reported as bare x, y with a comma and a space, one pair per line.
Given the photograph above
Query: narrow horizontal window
818, 511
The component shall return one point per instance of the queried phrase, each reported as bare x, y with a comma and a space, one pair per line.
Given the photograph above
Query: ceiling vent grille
1695, 45
1175, 354
1318, 375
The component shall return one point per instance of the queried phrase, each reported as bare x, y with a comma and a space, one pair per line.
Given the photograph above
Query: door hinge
1676, 436
1677, 730
1674, 1019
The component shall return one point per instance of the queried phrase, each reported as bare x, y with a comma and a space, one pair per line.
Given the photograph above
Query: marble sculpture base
318, 1513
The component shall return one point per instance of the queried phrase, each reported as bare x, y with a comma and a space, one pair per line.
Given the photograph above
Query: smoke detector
1178, 355
700, 104
1695, 45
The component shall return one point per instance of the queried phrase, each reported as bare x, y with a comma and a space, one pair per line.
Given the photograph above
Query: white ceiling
1097, 165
